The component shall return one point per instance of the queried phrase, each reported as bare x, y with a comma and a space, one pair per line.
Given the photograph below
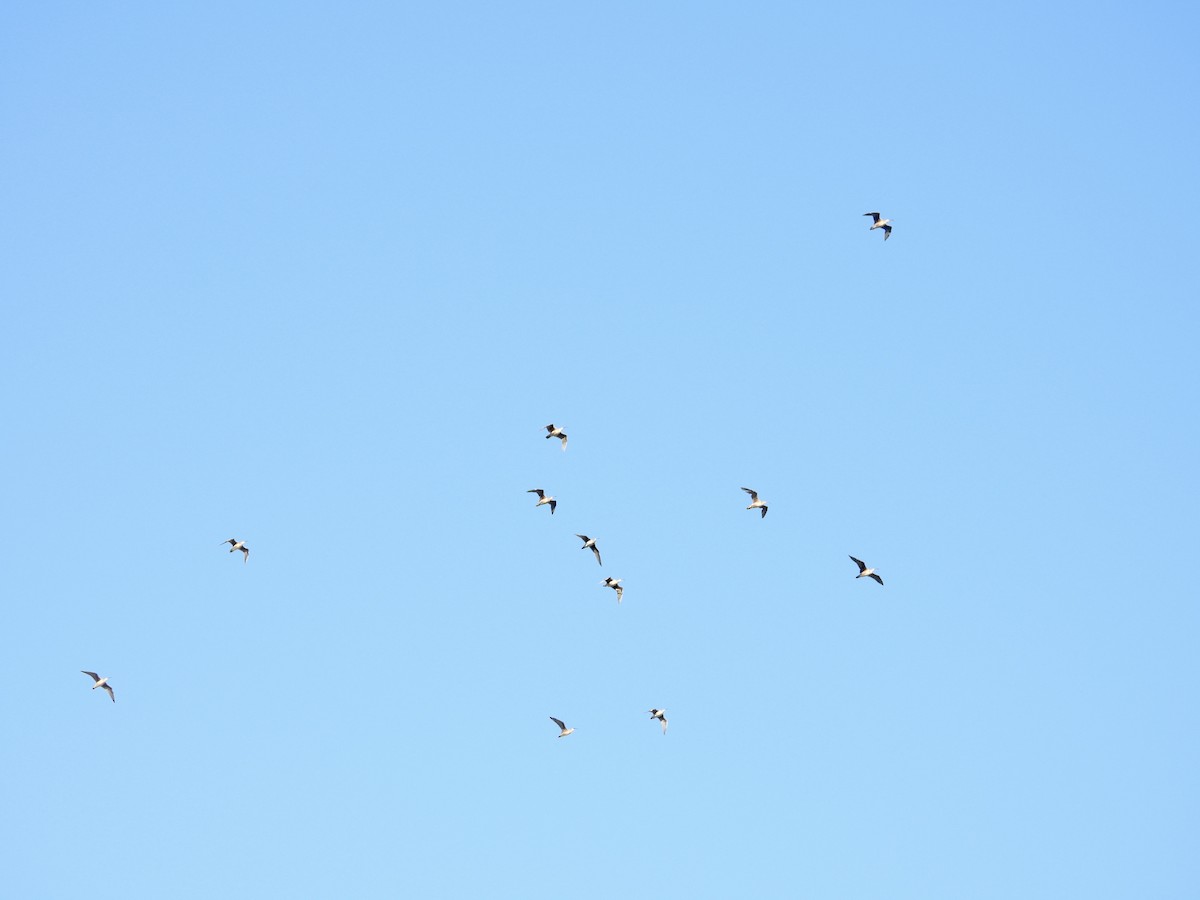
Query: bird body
661, 715
755, 503
235, 544
558, 433
543, 499
564, 728
885, 224
864, 572
615, 584
590, 543
100, 683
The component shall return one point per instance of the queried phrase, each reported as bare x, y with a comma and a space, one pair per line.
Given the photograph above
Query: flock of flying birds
553, 431
589, 543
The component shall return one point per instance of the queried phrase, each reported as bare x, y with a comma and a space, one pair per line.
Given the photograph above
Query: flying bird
558, 433
543, 499
755, 503
235, 544
590, 543
661, 715
885, 224
100, 682
864, 571
615, 584
559, 723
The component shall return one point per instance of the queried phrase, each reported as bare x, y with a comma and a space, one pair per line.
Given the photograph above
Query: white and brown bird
101, 683
661, 715
864, 572
558, 433
565, 730
885, 224
543, 499
235, 544
615, 584
755, 503
589, 543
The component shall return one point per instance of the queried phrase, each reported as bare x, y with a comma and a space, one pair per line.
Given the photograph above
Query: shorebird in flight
755, 503
615, 584
863, 571
885, 224
559, 723
590, 543
543, 499
558, 433
100, 682
235, 544
661, 715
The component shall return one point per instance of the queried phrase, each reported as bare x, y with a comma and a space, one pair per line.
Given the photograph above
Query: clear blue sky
315, 276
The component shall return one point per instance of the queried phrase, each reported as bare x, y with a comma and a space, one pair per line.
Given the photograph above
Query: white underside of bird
864, 572
100, 683
590, 544
615, 584
558, 433
755, 503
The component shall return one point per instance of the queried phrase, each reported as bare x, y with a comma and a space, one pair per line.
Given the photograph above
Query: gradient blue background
315, 275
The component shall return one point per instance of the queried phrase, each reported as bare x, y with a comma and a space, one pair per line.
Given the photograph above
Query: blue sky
315, 276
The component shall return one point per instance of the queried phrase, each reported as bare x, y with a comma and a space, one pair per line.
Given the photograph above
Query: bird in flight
564, 728
615, 584
100, 682
543, 499
661, 715
864, 571
885, 224
235, 544
755, 503
590, 543
558, 433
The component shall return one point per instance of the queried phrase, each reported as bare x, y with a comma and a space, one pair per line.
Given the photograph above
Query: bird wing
887, 232
664, 721
245, 554
876, 577
553, 503
753, 494
874, 216
564, 440
596, 550
620, 591
764, 513
559, 723
230, 541
585, 539
111, 695
95, 677
550, 429
861, 565
541, 494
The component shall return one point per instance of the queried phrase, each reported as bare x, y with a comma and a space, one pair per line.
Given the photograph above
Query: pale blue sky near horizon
316, 275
